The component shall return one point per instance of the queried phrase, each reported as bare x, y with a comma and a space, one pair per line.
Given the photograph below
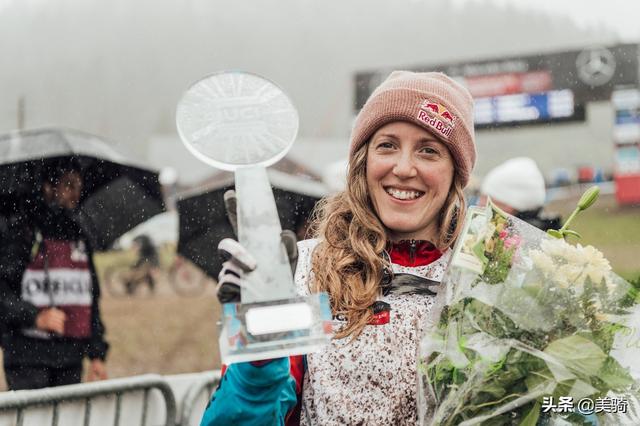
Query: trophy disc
231, 120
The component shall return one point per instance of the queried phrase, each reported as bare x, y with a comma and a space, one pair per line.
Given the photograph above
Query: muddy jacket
370, 380
45, 261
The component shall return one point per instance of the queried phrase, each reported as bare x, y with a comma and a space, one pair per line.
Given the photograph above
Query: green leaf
502, 420
494, 389
537, 378
571, 233
496, 421
554, 233
580, 355
478, 250
533, 288
580, 389
614, 375
532, 417
563, 389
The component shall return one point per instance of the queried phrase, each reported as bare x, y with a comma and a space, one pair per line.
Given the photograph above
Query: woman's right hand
51, 319
239, 262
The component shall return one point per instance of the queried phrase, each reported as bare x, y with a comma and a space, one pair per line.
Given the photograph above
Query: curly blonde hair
348, 262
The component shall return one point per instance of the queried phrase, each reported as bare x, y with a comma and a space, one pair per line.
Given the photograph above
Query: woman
381, 248
50, 291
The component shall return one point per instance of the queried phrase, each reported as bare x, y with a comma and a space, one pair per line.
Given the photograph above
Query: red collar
412, 252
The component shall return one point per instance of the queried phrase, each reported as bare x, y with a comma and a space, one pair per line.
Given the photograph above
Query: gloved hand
238, 261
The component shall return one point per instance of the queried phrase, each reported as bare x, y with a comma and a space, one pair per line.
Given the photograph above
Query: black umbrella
204, 222
116, 196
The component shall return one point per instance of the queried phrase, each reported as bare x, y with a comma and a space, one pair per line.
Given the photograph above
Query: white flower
558, 248
581, 262
596, 266
542, 261
574, 255
596, 275
594, 258
569, 275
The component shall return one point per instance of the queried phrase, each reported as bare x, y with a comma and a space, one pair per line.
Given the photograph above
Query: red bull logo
439, 110
437, 117
435, 123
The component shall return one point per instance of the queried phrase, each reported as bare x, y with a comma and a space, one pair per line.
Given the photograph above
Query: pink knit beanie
431, 100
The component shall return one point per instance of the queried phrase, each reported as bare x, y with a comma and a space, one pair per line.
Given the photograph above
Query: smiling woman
409, 173
380, 250
413, 138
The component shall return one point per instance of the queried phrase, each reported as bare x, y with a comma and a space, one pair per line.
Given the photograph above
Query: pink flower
512, 242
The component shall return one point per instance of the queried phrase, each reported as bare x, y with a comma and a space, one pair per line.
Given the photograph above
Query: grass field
612, 229
168, 334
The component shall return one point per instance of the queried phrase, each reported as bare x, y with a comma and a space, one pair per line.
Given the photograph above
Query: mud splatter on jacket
369, 381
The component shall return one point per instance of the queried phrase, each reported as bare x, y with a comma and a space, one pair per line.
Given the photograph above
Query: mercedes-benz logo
595, 66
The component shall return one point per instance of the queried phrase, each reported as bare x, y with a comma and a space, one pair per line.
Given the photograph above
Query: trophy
241, 122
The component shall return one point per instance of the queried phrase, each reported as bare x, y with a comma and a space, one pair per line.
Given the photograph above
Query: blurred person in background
380, 250
147, 261
517, 187
50, 291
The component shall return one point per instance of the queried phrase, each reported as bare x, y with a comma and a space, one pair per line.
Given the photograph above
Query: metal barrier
22, 401
203, 387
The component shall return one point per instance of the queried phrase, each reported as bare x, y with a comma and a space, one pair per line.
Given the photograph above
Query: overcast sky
623, 16
118, 68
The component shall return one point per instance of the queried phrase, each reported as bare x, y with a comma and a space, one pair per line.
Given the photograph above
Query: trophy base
277, 328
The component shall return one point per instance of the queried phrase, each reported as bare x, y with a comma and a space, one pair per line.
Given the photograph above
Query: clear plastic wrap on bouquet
527, 330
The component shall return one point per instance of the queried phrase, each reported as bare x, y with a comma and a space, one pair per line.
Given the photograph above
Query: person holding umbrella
49, 288
380, 250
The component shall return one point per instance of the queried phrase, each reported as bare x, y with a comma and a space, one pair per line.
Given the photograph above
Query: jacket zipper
412, 251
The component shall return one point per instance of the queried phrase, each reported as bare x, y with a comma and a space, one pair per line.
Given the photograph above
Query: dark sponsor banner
590, 73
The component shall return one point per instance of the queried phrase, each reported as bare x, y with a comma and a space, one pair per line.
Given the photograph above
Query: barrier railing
192, 393
117, 402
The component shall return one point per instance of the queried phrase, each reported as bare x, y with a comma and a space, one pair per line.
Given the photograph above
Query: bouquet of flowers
527, 330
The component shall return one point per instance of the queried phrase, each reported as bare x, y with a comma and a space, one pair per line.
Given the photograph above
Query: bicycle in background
140, 278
